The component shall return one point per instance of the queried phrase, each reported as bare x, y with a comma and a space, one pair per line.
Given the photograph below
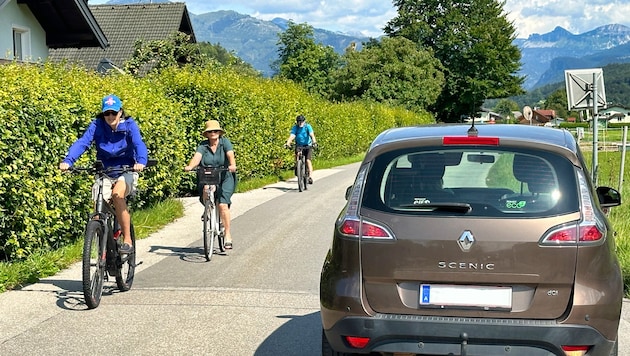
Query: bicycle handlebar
98, 168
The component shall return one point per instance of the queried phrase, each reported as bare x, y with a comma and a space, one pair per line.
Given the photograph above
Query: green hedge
43, 109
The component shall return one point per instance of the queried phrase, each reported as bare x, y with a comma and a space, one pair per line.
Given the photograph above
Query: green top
216, 159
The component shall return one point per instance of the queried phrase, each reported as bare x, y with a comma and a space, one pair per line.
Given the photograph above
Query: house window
21, 43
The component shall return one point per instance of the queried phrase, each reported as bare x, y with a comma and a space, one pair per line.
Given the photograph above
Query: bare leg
122, 213
309, 164
224, 210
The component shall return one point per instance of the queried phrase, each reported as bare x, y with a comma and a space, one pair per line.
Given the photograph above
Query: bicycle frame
301, 167
101, 257
210, 178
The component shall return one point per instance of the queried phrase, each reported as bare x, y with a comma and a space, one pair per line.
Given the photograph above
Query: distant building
30, 28
615, 114
540, 117
124, 25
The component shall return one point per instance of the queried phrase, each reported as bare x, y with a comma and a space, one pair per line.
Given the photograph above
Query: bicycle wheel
208, 230
300, 174
304, 174
93, 263
126, 266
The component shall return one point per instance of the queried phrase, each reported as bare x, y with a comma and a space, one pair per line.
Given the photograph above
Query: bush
45, 108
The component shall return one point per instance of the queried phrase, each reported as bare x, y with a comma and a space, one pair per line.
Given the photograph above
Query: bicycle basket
209, 176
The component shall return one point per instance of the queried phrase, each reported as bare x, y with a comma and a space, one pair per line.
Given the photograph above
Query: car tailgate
495, 269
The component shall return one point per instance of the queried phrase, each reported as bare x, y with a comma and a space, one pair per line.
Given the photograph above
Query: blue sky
368, 17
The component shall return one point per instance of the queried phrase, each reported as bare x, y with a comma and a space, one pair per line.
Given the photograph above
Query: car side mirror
608, 197
348, 192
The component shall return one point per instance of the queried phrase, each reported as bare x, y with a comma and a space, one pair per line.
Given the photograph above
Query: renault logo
466, 241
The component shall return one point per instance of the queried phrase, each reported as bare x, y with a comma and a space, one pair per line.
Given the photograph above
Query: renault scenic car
464, 240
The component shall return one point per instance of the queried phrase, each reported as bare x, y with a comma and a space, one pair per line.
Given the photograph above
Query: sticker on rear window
515, 204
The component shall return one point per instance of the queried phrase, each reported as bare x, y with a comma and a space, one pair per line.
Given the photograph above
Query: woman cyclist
214, 152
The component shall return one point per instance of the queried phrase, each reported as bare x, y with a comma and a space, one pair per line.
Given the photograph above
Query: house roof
124, 25
67, 23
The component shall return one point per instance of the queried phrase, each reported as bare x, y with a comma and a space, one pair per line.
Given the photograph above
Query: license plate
439, 295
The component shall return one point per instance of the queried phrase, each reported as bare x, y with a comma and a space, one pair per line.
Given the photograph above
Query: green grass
146, 221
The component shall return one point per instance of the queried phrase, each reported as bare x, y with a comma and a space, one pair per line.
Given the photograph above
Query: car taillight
582, 233
357, 342
352, 227
590, 233
470, 140
571, 350
564, 235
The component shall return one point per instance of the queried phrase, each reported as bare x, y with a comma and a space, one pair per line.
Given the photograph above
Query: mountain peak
556, 35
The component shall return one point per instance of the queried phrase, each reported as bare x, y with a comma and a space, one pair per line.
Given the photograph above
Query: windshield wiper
451, 207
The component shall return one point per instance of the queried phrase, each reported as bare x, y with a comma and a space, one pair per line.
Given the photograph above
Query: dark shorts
308, 152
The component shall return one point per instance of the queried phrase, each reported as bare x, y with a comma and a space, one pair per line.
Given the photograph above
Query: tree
472, 40
394, 71
226, 58
176, 50
304, 61
505, 107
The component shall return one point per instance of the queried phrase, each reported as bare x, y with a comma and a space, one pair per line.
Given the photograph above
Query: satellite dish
528, 113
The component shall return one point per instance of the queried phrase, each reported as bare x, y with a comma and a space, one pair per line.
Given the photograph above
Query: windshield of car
468, 181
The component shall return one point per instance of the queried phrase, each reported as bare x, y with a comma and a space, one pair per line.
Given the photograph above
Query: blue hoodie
123, 146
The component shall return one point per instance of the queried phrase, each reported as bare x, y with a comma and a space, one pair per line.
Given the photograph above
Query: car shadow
301, 335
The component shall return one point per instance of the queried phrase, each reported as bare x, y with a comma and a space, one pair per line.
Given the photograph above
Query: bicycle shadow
69, 293
186, 254
282, 189
301, 335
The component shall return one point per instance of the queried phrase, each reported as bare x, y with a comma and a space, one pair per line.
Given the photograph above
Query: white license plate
466, 296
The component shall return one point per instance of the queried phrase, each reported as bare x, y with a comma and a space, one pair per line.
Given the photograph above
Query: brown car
482, 240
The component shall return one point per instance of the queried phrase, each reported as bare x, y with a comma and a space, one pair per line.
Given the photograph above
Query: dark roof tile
123, 25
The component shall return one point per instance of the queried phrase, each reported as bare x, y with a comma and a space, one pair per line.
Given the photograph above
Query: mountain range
256, 41
545, 57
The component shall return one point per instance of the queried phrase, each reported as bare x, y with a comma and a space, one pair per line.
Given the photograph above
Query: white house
29, 28
615, 114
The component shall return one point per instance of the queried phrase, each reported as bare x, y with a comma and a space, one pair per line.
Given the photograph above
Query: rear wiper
452, 207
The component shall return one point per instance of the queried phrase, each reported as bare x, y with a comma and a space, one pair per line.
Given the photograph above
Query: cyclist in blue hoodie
118, 143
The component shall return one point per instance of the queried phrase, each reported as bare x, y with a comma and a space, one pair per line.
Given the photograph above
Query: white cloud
370, 16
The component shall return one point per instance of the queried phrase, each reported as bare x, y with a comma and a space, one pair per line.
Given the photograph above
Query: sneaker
125, 249
310, 180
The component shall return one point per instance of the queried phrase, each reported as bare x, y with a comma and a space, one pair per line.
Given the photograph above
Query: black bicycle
210, 178
301, 167
101, 258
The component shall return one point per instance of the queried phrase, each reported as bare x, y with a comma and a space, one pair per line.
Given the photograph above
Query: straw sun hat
212, 125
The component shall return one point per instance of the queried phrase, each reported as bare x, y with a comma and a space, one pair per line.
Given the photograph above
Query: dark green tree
505, 107
176, 50
304, 61
472, 40
394, 71
226, 58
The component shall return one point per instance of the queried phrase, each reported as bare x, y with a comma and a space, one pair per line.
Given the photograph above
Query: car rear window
494, 182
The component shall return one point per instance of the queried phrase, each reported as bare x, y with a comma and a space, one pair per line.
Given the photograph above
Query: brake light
470, 140
571, 350
590, 233
563, 235
352, 227
357, 342
585, 232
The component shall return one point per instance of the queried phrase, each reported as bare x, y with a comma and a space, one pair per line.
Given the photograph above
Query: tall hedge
43, 109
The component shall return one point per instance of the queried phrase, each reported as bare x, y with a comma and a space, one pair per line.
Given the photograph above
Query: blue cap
111, 102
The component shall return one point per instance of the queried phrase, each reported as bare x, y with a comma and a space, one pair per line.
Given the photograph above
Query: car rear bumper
464, 336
